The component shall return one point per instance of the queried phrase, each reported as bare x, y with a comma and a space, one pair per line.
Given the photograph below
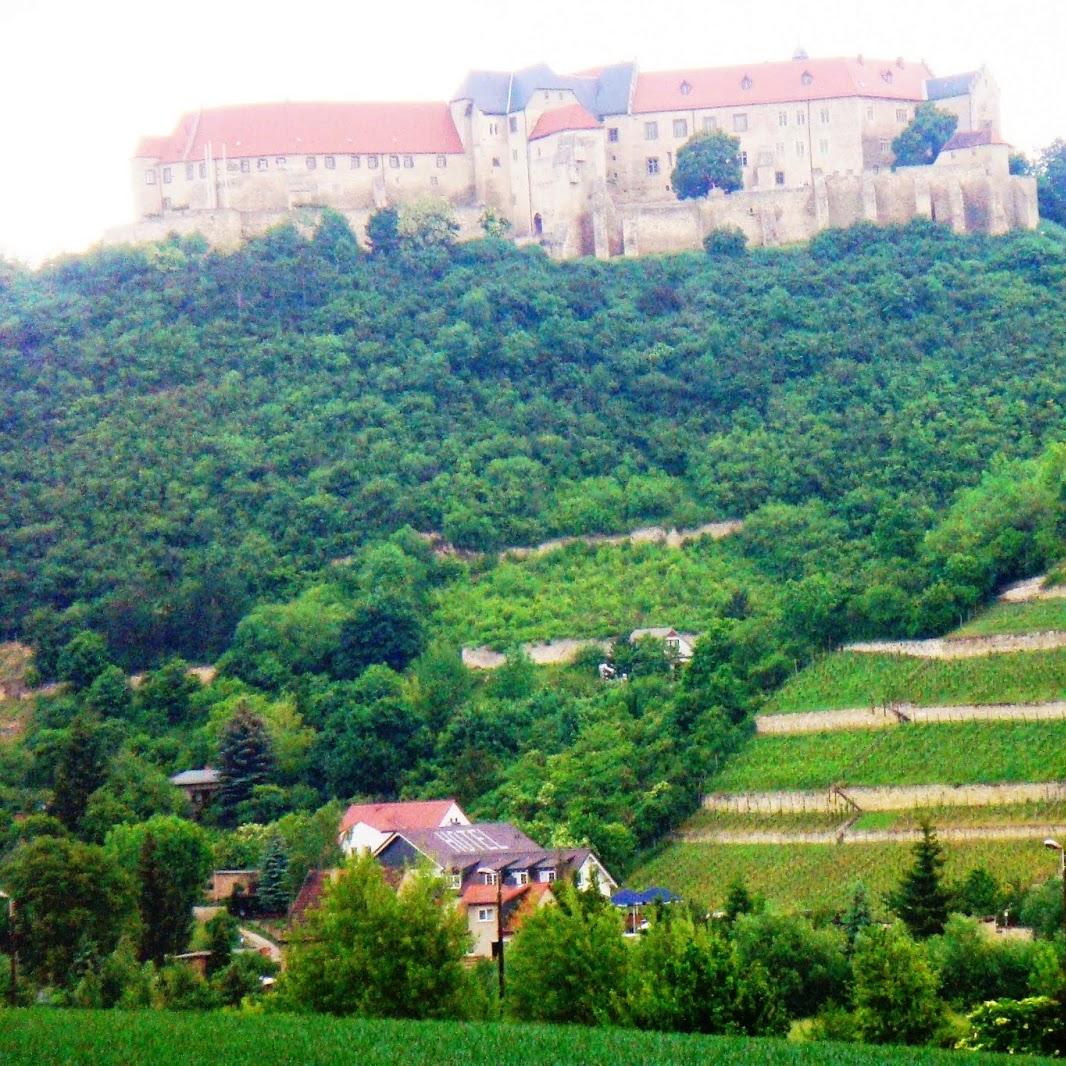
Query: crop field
704, 821
820, 877
853, 679
583, 591
1048, 813
47, 1037
956, 754
1034, 617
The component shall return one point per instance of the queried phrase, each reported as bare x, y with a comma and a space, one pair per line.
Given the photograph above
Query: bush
1032, 1026
726, 243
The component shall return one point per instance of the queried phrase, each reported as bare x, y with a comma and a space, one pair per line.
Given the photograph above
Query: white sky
81, 80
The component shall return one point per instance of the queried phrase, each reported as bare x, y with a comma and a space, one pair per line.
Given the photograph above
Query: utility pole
499, 929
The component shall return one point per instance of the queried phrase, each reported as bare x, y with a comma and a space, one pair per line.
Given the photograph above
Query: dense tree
921, 899
373, 951
82, 660
895, 989
708, 161
72, 900
1051, 182
273, 868
245, 758
80, 769
926, 134
385, 630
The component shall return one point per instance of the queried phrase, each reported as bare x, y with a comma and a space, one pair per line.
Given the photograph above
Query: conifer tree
921, 900
858, 915
737, 902
246, 759
80, 770
273, 867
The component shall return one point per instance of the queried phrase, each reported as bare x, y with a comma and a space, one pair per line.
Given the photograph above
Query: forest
235, 457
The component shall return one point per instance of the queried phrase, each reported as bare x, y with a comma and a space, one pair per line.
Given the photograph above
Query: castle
581, 163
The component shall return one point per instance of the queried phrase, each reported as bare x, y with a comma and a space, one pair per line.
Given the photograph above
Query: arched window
538, 225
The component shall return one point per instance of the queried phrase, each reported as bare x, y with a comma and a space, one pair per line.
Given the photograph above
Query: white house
366, 826
681, 644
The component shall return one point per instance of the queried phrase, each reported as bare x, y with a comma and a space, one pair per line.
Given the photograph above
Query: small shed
198, 785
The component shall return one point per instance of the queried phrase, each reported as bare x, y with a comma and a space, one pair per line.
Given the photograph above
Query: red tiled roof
779, 83
482, 895
310, 894
573, 117
970, 139
529, 905
390, 817
308, 129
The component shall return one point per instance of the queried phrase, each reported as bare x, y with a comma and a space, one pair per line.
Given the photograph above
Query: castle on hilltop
581, 163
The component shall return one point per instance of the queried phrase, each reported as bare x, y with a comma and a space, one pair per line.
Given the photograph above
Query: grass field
583, 591
1034, 617
44, 1037
758, 821
851, 679
820, 877
956, 754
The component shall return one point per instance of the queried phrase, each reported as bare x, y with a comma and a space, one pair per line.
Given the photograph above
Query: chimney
800, 54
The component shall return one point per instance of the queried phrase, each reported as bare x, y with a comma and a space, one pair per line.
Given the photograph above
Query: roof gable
389, 817
563, 119
952, 85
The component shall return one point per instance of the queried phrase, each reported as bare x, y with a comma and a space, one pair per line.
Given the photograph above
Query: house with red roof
366, 826
568, 159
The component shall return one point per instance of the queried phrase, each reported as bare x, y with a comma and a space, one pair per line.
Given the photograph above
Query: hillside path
898, 713
886, 798
1036, 831
963, 647
1032, 589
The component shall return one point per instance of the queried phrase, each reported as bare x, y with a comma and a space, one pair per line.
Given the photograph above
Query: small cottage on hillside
678, 644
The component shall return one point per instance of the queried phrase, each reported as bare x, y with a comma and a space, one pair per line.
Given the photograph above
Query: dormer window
745, 83
807, 77
521, 877
455, 880
685, 88
886, 76
488, 877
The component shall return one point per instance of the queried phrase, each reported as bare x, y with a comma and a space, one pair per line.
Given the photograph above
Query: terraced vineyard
1008, 775
852, 679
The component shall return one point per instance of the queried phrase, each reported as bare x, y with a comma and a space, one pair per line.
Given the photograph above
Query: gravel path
877, 836
964, 647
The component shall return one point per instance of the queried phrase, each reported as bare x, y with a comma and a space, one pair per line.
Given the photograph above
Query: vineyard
852, 679
39, 1037
820, 877
1033, 617
964, 753
601, 591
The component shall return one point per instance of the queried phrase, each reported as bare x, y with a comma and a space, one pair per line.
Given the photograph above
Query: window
394, 162
709, 123
901, 114
373, 162
488, 877
745, 83
280, 162
740, 123
801, 118
779, 177
486, 914
521, 877
354, 162
547, 875
190, 171
612, 134
680, 127
513, 123
168, 175
203, 170
149, 177
823, 147
807, 77
782, 118
779, 148
311, 162
434, 180
886, 76
801, 149
685, 88
652, 163
884, 145
743, 159
408, 162
514, 154
870, 113
442, 162
495, 160
262, 164
246, 166
331, 162
824, 116
455, 880
167, 203
231, 166
651, 131
494, 129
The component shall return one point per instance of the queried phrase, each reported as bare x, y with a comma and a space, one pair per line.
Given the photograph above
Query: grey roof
206, 776
953, 85
498, 92
451, 845
969, 139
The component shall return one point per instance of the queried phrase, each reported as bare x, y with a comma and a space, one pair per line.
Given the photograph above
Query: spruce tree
273, 867
921, 900
80, 770
858, 916
246, 759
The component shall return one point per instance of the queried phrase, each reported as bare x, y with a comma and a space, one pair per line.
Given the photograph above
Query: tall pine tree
272, 891
246, 759
80, 770
921, 899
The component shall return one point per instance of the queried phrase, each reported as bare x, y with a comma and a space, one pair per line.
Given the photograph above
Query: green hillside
1017, 618
156, 1038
